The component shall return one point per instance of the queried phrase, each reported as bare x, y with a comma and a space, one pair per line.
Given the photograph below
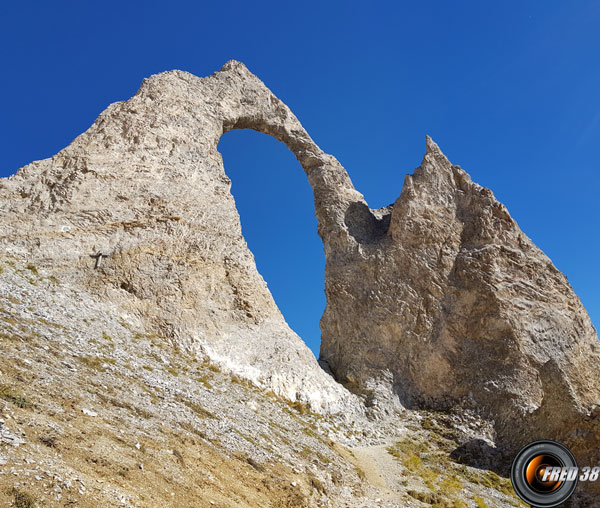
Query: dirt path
381, 471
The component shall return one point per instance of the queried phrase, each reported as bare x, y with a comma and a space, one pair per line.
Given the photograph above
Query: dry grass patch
197, 409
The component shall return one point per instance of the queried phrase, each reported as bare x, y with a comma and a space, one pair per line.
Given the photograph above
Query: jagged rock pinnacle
431, 146
233, 65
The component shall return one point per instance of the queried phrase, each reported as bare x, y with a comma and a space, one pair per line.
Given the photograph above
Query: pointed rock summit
431, 146
437, 301
443, 302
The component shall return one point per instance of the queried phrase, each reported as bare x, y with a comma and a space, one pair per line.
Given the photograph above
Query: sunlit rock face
138, 211
443, 301
438, 300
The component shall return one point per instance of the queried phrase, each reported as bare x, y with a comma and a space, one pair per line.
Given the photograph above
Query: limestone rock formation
138, 210
443, 300
438, 300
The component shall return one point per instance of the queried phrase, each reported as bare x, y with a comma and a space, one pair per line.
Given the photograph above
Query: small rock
7, 437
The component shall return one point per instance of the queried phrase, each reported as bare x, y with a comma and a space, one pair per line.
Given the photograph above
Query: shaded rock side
138, 211
441, 299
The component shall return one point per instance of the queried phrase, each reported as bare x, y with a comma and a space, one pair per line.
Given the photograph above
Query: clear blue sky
510, 91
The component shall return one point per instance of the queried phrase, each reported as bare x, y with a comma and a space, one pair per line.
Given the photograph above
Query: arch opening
276, 207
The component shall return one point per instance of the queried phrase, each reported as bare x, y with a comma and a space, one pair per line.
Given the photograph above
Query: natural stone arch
417, 294
145, 187
257, 108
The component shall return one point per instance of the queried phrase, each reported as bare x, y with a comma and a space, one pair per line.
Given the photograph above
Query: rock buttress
443, 301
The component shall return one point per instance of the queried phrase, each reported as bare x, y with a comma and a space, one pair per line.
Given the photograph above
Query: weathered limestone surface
145, 188
443, 300
438, 300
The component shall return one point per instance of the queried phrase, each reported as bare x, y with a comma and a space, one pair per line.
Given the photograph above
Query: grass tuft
32, 269
8, 395
22, 499
480, 502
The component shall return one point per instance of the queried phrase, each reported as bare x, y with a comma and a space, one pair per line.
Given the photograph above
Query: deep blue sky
510, 91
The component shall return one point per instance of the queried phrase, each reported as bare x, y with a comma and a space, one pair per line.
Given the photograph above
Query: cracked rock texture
442, 300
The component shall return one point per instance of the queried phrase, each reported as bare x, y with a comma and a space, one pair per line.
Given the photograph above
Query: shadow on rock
479, 454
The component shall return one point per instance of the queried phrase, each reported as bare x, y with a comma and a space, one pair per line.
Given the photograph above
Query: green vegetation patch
480, 502
426, 456
488, 479
7, 393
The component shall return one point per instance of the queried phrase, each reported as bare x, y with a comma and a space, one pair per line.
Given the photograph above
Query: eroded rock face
442, 299
138, 210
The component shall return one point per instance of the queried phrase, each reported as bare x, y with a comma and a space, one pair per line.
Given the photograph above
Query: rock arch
254, 106
440, 298
146, 187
